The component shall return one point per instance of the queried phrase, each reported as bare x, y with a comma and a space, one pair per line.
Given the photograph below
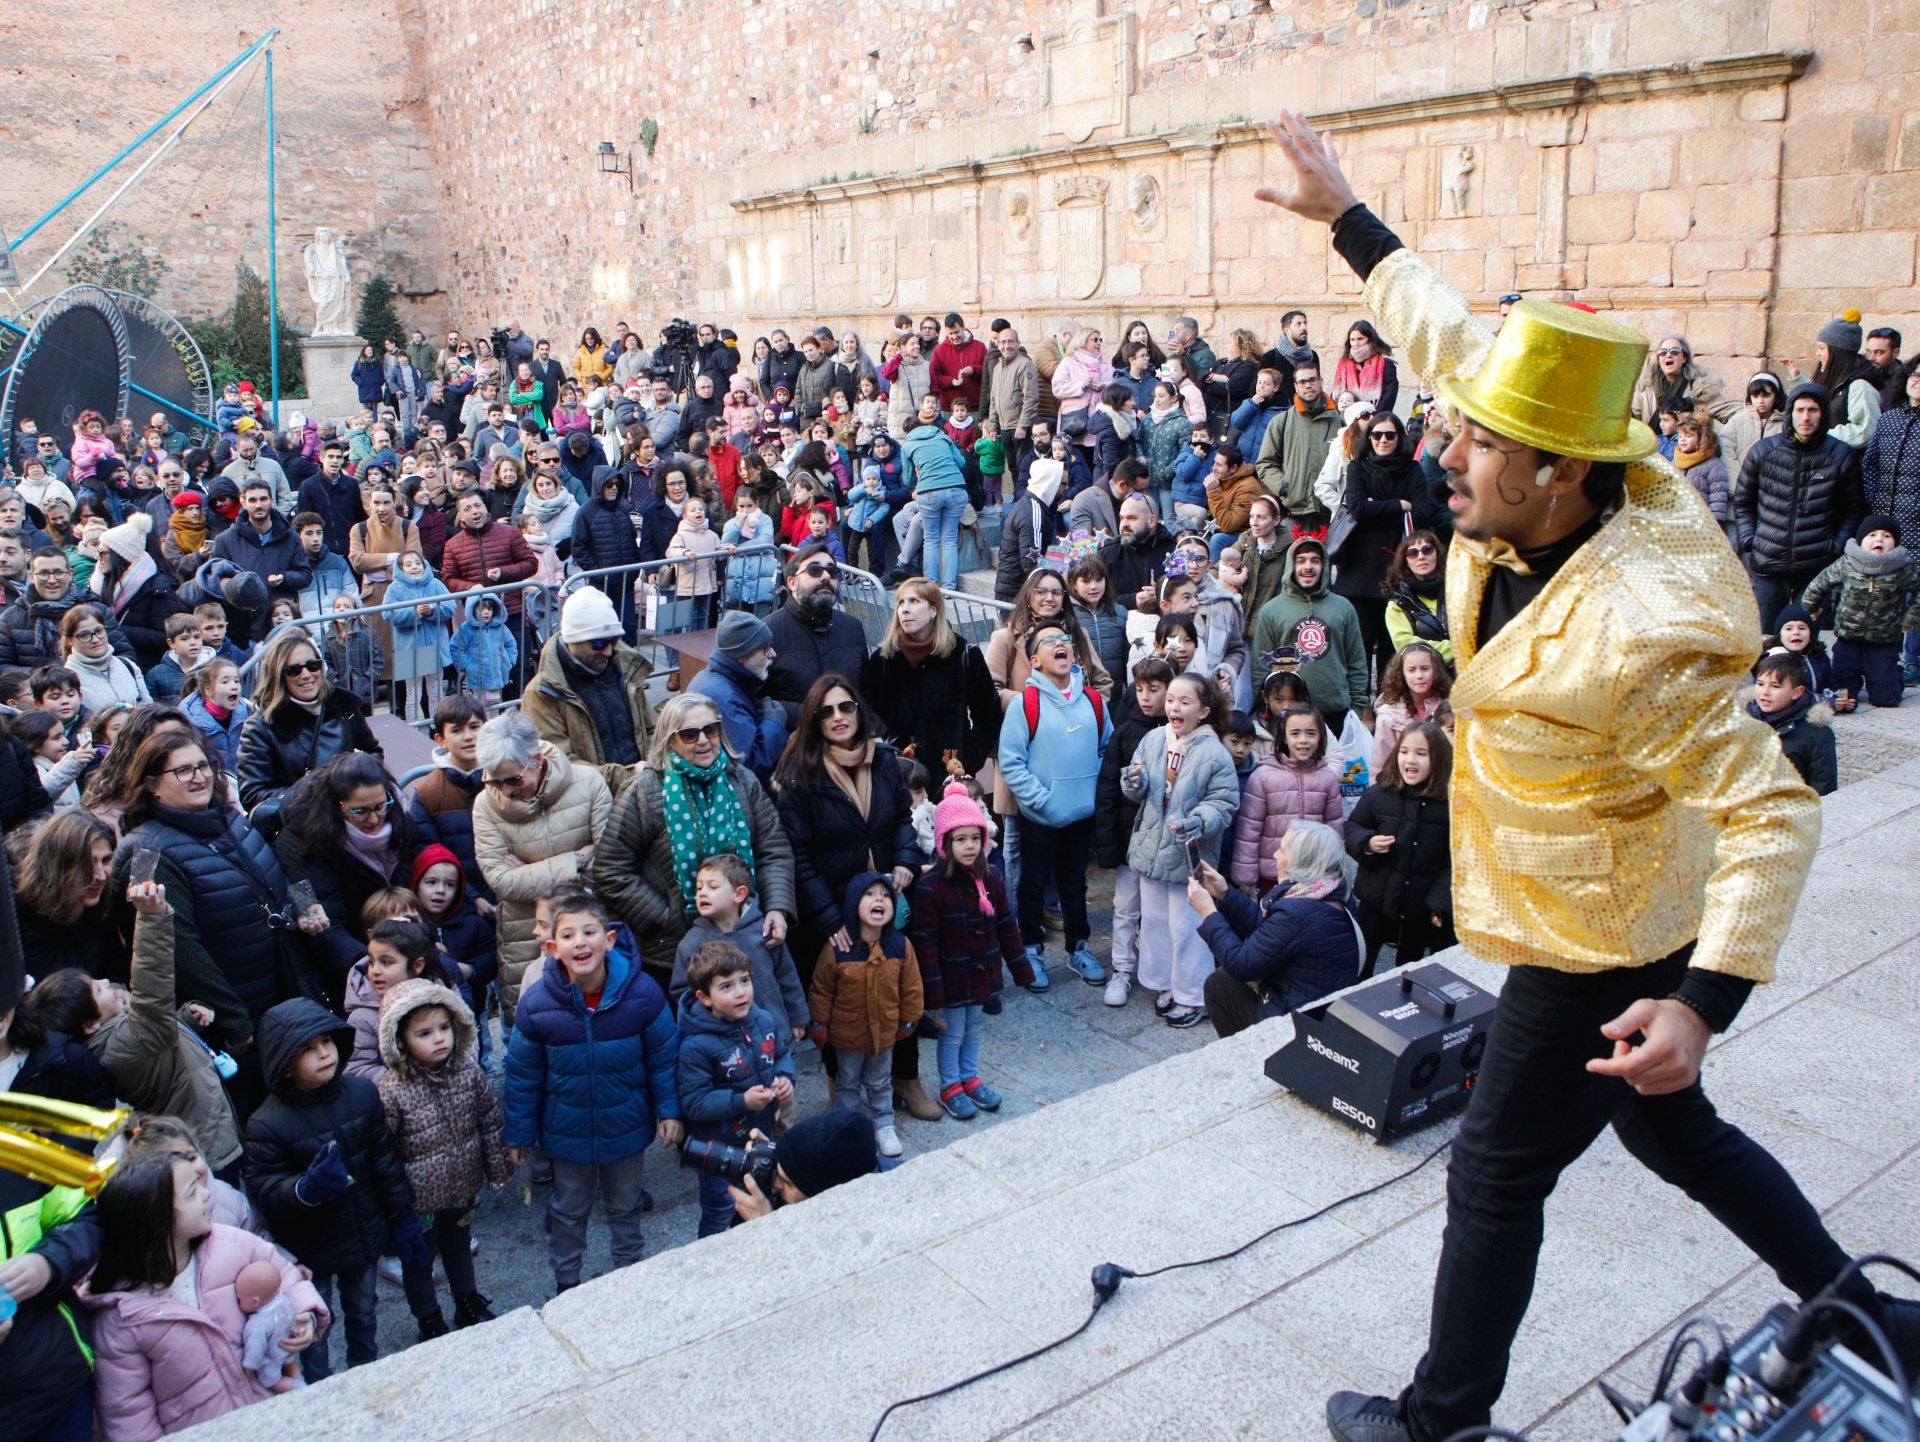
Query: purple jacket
1276, 795
162, 1366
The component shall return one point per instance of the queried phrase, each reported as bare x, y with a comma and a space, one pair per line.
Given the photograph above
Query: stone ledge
901, 1283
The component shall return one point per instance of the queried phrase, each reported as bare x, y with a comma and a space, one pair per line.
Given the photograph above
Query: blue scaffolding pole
151, 131
273, 253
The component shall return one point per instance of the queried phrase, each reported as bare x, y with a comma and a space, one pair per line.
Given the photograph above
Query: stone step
978, 583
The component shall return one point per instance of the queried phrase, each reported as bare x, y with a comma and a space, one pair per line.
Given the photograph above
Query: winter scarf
1318, 890
189, 537
373, 850
131, 580
704, 817
1687, 460
851, 768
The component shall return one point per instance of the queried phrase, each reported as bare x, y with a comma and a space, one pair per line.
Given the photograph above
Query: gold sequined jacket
1610, 800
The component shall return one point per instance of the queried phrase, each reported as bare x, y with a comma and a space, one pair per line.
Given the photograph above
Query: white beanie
128, 540
1356, 411
588, 615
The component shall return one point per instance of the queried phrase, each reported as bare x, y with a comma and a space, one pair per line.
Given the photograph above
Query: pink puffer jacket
163, 1366
1278, 794
363, 1015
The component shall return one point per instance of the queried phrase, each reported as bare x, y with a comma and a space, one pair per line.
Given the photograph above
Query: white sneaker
888, 1140
1119, 988
1163, 1003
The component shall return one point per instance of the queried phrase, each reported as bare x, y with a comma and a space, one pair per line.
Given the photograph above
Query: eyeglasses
840, 708
1052, 638
1388, 434
379, 808
817, 569
1423, 549
90, 633
603, 643
694, 735
300, 668
186, 775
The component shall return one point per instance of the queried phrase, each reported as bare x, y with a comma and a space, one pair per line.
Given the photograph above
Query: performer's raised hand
1319, 190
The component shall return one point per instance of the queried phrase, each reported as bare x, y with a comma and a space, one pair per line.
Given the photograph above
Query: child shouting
448, 1131
736, 1065
866, 996
964, 928
591, 1080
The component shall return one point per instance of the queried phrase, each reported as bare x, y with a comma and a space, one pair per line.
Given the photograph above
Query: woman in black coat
301, 721
833, 758
236, 942
345, 832
932, 691
1400, 834
1387, 496
138, 594
60, 897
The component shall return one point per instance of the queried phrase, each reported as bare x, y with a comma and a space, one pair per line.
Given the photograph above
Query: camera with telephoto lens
757, 1159
497, 340
679, 333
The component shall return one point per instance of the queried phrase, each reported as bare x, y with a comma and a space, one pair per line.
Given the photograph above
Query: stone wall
82, 78
1725, 167
1738, 169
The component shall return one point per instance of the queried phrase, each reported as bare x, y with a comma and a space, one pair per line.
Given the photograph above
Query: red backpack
1030, 699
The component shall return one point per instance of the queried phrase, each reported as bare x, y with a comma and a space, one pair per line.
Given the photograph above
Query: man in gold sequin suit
1624, 836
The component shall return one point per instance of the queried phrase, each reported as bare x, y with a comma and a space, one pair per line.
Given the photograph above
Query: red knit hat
435, 855
188, 498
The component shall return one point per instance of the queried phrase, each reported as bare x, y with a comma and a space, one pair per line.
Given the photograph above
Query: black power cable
1108, 1276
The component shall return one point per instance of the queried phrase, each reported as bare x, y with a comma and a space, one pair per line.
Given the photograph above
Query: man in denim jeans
1633, 847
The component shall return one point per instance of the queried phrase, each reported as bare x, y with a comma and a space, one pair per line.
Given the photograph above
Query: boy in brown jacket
866, 995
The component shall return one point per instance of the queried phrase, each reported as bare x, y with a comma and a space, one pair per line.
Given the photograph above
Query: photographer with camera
673, 358
735, 1068
814, 1156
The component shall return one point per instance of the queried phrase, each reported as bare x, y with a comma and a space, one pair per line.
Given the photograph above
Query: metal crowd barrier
749, 580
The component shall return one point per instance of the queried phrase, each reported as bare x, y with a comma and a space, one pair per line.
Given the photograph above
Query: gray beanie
741, 633
1842, 332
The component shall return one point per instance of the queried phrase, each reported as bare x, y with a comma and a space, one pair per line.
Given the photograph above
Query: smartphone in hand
1194, 863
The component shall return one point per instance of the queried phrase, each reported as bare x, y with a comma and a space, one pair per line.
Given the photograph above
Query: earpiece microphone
1543, 475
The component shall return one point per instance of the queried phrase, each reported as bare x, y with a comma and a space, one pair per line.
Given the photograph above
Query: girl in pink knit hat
963, 929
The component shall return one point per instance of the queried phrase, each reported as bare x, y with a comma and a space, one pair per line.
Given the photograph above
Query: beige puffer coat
447, 1126
526, 849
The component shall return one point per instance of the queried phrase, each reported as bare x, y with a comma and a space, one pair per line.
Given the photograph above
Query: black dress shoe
1356, 1417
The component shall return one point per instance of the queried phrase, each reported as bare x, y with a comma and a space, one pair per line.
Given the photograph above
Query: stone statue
1143, 201
329, 283
1019, 216
1457, 183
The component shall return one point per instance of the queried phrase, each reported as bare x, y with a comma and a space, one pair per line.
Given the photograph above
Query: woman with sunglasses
1388, 498
234, 950
300, 721
346, 834
1416, 592
845, 805
693, 800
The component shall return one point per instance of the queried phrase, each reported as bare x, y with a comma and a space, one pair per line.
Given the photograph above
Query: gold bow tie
1495, 552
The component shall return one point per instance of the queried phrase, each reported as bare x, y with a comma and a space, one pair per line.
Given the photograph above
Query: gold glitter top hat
1559, 380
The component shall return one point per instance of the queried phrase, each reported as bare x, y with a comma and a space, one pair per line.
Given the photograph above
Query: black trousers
1374, 637
1057, 854
1534, 1111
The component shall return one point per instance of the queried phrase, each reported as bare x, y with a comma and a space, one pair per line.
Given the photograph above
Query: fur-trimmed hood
403, 1001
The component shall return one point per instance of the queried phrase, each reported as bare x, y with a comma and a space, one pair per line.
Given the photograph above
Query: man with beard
1322, 627
334, 496
589, 697
250, 462
1624, 838
1138, 558
662, 418
735, 680
702, 406
811, 635
1882, 352
262, 542
486, 552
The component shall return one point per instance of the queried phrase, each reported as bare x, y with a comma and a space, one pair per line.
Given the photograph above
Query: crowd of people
614, 910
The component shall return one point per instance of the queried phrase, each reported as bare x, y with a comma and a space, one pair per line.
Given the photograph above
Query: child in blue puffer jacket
591, 1080
736, 1065
484, 650
420, 631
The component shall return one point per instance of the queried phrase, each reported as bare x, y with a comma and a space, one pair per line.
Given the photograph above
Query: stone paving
1123, 1140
